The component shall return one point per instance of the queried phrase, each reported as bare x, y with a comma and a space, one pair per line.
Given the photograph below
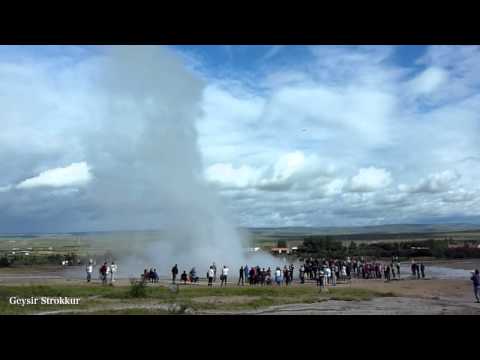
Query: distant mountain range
295, 230
384, 229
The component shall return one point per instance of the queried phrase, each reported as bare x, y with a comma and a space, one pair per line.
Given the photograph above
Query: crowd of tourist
322, 271
106, 272
349, 268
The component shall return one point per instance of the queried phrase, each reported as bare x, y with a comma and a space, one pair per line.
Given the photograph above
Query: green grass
247, 297
349, 294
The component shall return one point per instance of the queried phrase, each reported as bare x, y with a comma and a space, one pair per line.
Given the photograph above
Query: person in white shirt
224, 275
325, 277
278, 276
89, 270
334, 277
113, 269
214, 267
328, 272
344, 272
211, 274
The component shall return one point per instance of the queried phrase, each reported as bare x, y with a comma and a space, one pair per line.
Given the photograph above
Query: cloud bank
98, 138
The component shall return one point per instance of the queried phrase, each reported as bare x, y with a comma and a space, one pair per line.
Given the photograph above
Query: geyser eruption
149, 171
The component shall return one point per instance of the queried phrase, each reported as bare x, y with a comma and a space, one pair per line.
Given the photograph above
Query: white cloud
429, 80
459, 195
5, 188
288, 164
227, 175
462, 64
76, 174
434, 183
287, 139
370, 179
291, 170
335, 187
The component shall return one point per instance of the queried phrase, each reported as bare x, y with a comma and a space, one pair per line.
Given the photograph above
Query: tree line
329, 247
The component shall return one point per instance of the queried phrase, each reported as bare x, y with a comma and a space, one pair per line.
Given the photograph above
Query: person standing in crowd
422, 269
89, 270
246, 272
417, 269
184, 277
113, 271
334, 276
387, 273
214, 267
268, 277
211, 274
302, 274
103, 273
476, 284
319, 278
398, 268
251, 276
325, 276
328, 272
278, 276
344, 272
393, 271
174, 273
224, 276
151, 275
413, 268
193, 275
240, 275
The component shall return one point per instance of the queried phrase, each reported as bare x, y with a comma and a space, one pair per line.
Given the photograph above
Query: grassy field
117, 244
158, 299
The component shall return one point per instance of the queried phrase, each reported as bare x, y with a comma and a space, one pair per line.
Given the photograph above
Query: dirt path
460, 290
117, 307
377, 306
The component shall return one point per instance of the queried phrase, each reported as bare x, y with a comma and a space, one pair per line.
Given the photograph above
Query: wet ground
446, 290
437, 269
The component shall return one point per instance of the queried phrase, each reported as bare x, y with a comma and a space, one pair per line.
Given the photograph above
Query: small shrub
138, 288
4, 262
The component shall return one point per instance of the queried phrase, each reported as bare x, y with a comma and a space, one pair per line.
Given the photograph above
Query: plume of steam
149, 170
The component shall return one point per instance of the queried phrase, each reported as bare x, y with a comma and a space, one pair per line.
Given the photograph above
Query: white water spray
149, 171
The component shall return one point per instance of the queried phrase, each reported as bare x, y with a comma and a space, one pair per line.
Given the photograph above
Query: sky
285, 135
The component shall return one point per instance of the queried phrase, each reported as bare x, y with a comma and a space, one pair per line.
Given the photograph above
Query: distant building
280, 250
462, 245
419, 248
456, 245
